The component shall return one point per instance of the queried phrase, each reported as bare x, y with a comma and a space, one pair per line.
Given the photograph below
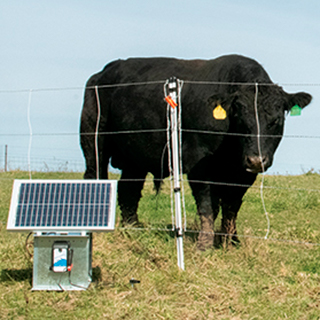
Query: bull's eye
274, 123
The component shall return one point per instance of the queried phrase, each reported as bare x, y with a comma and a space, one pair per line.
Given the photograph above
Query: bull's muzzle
256, 164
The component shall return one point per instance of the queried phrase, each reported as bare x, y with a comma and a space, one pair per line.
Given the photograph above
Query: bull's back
148, 69
232, 68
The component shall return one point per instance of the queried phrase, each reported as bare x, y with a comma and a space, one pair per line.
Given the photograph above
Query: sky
50, 48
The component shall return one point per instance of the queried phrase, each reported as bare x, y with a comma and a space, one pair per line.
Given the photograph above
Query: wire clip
178, 232
170, 101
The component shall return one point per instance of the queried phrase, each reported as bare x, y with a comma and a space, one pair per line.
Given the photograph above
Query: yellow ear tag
219, 113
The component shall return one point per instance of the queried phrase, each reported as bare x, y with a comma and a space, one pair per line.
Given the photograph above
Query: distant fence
18, 160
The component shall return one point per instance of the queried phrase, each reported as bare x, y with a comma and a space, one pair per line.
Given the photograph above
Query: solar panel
62, 205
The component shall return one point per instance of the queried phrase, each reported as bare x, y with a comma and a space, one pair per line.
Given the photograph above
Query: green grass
277, 278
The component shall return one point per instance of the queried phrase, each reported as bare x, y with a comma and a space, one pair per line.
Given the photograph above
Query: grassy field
278, 278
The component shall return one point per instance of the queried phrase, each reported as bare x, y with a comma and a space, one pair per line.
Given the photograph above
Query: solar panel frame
62, 205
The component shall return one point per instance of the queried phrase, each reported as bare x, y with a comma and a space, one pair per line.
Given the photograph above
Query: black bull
230, 160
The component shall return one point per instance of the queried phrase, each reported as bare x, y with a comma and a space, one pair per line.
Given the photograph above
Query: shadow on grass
96, 274
19, 275
16, 275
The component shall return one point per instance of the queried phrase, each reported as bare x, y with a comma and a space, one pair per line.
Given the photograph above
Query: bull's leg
228, 222
105, 151
201, 193
88, 148
231, 200
96, 160
129, 194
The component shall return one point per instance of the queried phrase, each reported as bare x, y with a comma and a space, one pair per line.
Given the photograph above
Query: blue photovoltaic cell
63, 204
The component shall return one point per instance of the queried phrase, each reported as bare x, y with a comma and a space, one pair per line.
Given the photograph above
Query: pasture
278, 278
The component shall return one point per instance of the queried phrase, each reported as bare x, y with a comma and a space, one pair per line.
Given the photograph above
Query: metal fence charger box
62, 214
51, 268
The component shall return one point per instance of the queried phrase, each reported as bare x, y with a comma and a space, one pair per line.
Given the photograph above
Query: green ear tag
295, 111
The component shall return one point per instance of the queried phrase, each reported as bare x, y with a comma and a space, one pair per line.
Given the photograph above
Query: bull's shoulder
239, 68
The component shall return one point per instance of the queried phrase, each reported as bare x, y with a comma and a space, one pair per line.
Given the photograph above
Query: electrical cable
29, 244
76, 285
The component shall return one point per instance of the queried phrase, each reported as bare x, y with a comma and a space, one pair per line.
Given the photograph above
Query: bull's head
257, 115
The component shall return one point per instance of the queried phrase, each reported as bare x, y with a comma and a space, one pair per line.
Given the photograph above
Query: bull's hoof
224, 240
205, 241
235, 241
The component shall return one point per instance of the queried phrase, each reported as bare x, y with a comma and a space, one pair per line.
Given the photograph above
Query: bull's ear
301, 99
220, 106
225, 101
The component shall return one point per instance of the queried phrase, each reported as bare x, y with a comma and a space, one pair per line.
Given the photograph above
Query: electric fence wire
213, 183
292, 136
195, 82
288, 241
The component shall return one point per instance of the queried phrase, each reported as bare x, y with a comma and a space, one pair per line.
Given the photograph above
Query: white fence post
176, 169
